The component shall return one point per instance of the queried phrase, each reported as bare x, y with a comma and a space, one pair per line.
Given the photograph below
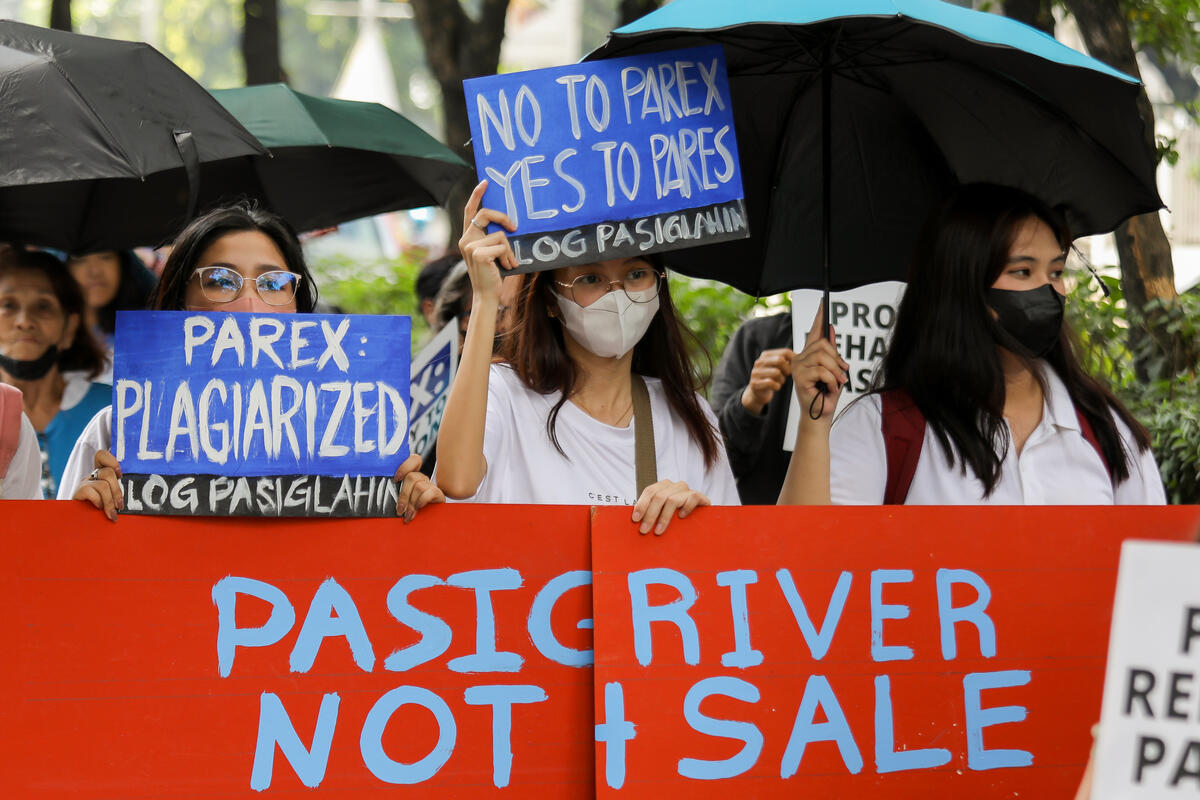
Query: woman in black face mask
980, 398
47, 353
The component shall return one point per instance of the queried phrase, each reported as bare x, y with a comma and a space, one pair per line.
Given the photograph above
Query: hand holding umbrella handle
818, 372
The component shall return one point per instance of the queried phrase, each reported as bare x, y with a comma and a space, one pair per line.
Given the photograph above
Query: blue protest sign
432, 373
217, 403
610, 158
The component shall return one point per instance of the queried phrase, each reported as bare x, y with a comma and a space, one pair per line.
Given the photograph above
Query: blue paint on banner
241, 394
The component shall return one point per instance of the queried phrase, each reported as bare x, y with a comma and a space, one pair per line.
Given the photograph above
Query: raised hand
485, 252
767, 376
819, 362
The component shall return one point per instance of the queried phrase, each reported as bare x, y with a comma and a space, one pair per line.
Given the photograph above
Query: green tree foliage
385, 286
1167, 404
712, 312
1171, 28
202, 37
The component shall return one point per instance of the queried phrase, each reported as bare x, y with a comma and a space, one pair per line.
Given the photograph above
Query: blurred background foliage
1168, 405
203, 37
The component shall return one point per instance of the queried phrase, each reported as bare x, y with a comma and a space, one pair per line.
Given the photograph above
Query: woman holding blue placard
594, 361
49, 354
234, 258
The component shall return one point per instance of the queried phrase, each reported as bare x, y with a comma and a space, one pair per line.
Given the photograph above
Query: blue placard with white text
266, 414
610, 158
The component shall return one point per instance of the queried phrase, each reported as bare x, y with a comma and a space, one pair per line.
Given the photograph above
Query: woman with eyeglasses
233, 258
551, 419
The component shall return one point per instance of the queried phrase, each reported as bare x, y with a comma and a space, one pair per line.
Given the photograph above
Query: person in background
430, 280
551, 420
111, 281
980, 398
453, 302
455, 299
233, 258
752, 394
48, 354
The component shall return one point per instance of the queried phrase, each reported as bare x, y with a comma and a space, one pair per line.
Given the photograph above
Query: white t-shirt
1057, 466
95, 437
23, 480
524, 467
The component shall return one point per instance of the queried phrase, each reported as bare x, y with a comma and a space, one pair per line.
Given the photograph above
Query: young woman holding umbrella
980, 398
234, 258
551, 420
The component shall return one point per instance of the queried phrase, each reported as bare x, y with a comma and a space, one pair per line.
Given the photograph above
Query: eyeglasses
224, 285
640, 284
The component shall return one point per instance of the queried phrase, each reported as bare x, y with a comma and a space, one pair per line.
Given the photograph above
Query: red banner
222, 657
856, 652
896, 653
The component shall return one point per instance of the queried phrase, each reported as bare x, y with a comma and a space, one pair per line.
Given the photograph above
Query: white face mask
609, 327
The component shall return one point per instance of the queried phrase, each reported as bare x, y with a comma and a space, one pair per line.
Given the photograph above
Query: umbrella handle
185, 143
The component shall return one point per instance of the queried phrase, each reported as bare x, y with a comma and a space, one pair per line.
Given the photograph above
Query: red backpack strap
903, 436
11, 405
1089, 433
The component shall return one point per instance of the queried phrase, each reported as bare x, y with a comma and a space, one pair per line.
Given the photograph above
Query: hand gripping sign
612, 158
260, 414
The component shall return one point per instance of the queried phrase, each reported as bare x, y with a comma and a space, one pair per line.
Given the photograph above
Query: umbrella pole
826, 203
826, 179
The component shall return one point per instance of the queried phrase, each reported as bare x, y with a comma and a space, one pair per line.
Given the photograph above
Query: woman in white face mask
552, 419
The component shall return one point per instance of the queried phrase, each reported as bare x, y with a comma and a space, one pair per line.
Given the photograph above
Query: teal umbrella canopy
332, 160
102, 142
855, 118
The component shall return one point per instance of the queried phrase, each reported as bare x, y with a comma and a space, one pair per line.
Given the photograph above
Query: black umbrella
101, 141
855, 118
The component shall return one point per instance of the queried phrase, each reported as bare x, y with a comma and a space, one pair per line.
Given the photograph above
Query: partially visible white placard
862, 319
1149, 741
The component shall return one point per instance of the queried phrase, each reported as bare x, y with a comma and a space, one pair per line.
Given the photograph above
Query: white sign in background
1149, 740
862, 319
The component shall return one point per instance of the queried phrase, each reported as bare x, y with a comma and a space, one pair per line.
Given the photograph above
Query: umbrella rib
113, 140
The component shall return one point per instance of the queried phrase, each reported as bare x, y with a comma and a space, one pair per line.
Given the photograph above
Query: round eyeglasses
640, 284
224, 285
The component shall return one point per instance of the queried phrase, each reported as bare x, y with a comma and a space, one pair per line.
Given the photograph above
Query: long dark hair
943, 349
535, 348
85, 353
212, 225
134, 287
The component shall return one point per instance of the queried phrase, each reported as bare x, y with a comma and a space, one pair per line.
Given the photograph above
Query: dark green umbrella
332, 160
102, 142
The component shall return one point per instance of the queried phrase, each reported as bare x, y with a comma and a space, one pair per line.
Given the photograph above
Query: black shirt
754, 442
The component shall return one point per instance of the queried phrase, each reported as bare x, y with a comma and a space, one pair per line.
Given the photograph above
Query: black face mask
33, 369
1029, 320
